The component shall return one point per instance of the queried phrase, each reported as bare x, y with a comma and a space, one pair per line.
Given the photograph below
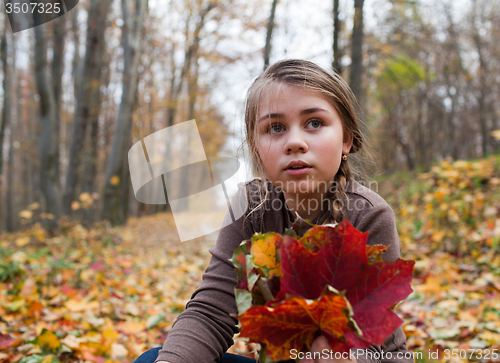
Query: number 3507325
27, 8
471, 353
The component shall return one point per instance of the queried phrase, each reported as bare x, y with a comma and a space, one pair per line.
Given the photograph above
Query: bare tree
189, 57
49, 138
482, 73
269, 36
88, 98
357, 50
116, 189
5, 46
336, 32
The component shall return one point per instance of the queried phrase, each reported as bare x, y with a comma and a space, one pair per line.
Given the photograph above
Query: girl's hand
319, 345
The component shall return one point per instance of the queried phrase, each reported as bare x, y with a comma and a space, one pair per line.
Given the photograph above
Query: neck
307, 206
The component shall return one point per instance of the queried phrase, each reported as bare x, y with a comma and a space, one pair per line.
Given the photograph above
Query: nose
296, 141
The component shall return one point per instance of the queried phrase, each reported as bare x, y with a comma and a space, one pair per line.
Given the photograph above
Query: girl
300, 127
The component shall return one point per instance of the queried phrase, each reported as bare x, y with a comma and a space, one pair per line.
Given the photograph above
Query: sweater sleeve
380, 222
204, 330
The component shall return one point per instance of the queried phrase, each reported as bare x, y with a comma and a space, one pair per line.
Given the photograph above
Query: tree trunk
188, 58
356, 50
6, 48
481, 96
49, 138
115, 195
88, 98
171, 105
191, 56
269, 36
336, 32
7, 102
9, 203
76, 62
59, 37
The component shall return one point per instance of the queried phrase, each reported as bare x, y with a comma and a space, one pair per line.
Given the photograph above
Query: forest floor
108, 294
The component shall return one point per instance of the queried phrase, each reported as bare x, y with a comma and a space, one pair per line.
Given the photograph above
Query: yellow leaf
26, 214
115, 179
72, 341
110, 335
35, 350
86, 199
132, 309
39, 233
34, 206
135, 348
75, 205
119, 352
49, 359
438, 236
490, 337
48, 341
22, 241
29, 288
264, 252
76, 306
132, 327
496, 134
432, 285
40, 326
47, 215
19, 256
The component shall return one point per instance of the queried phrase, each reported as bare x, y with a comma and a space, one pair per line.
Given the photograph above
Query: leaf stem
264, 289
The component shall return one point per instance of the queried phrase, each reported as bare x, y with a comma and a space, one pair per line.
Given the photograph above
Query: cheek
266, 148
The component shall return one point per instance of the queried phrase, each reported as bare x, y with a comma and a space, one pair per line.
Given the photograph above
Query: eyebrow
303, 112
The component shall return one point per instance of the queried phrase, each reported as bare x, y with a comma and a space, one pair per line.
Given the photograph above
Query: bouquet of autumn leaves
317, 279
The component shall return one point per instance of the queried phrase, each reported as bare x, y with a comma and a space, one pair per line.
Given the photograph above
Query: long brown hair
330, 85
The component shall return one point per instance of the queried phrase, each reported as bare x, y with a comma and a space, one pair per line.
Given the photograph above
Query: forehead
281, 95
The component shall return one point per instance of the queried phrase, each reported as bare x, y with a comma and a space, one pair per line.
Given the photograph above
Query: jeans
151, 355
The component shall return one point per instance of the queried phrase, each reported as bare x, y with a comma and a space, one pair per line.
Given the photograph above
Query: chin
300, 187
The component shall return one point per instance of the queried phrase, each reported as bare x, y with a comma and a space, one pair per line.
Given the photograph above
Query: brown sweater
204, 331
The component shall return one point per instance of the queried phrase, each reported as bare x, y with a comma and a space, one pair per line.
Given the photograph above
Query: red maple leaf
338, 257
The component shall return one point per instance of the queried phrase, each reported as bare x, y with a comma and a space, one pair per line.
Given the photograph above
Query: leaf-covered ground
108, 294
449, 222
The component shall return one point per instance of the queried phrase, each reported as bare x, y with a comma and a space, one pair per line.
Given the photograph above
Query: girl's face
299, 125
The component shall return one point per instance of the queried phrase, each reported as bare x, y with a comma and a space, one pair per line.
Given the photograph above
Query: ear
347, 143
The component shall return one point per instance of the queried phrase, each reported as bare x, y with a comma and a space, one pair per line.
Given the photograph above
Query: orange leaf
294, 322
375, 252
47, 340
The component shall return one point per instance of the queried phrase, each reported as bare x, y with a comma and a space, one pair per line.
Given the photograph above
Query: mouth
298, 170
296, 165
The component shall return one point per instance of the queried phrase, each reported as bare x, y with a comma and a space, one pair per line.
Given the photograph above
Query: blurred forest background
80, 90
78, 282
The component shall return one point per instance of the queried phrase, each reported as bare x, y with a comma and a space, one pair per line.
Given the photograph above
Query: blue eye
273, 129
318, 122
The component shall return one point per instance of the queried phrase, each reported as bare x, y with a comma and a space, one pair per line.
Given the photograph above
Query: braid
336, 198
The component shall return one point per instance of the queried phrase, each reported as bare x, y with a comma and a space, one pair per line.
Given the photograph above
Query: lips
297, 164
